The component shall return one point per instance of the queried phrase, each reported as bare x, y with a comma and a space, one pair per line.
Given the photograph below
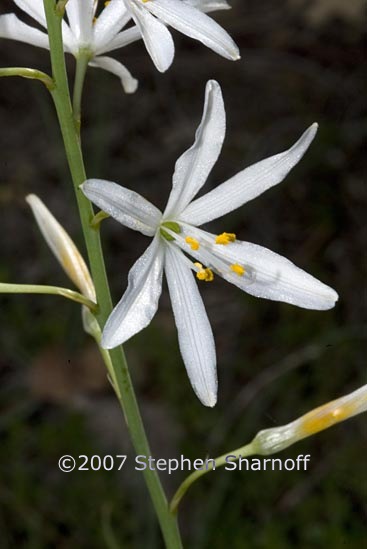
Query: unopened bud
276, 439
62, 247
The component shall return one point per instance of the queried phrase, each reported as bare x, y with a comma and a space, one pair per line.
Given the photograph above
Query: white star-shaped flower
176, 236
186, 16
86, 33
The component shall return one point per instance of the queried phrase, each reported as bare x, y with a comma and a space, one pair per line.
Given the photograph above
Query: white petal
194, 166
194, 332
80, 16
121, 39
194, 23
129, 83
156, 36
208, 5
277, 278
267, 274
62, 246
140, 301
109, 23
13, 28
124, 205
34, 8
247, 184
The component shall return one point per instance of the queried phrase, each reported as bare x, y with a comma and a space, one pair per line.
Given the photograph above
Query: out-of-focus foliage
275, 362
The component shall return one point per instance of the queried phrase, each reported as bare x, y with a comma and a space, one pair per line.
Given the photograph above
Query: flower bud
62, 247
276, 439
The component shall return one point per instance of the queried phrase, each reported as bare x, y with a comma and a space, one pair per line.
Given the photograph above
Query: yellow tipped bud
225, 238
62, 247
238, 269
274, 440
193, 243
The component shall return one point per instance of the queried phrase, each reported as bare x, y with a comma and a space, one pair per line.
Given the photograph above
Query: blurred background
301, 61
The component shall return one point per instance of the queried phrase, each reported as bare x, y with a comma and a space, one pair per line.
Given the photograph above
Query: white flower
86, 33
186, 16
83, 34
252, 268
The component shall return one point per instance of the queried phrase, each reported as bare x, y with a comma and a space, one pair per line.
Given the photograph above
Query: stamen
225, 238
193, 243
238, 269
206, 275
106, 3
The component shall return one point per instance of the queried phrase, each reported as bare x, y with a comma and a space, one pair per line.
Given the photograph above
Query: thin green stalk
118, 364
243, 452
47, 290
32, 74
80, 72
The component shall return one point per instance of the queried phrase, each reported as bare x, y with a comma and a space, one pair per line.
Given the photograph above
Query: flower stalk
47, 290
115, 360
81, 69
32, 74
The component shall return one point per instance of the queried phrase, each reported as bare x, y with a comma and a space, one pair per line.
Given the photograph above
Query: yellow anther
194, 244
106, 3
225, 238
238, 269
206, 275
94, 20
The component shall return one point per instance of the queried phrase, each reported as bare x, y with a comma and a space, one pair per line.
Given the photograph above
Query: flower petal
13, 28
34, 8
80, 16
124, 205
208, 5
266, 274
247, 184
109, 23
129, 83
62, 246
140, 301
121, 40
192, 22
156, 36
194, 166
277, 278
194, 332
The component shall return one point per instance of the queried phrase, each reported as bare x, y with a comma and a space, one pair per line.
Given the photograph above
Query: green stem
118, 365
47, 290
32, 74
245, 451
82, 61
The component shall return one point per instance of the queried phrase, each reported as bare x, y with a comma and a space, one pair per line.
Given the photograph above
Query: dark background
301, 62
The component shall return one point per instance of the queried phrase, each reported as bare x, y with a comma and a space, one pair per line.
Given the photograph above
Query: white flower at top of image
176, 236
186, 16
102, 31
83, 32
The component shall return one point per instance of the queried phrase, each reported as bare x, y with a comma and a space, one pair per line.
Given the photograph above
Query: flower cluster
179, 248
94, 32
